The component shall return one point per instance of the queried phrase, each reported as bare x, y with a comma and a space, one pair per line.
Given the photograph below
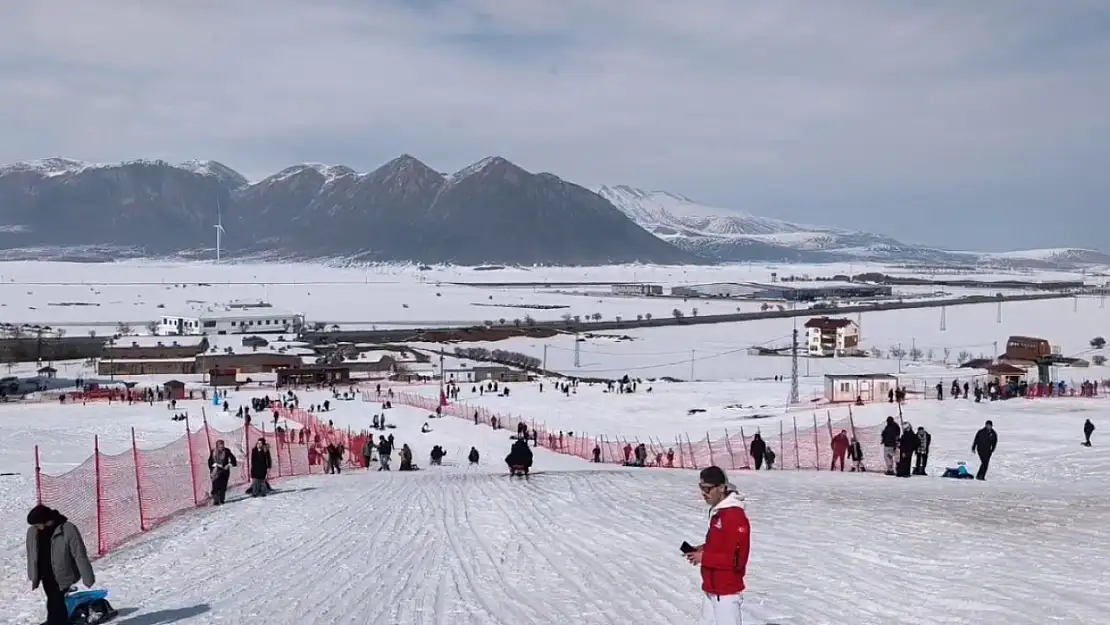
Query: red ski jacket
840, 444
724, 557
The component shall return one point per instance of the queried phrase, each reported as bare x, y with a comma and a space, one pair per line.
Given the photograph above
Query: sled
518, 471
89, 606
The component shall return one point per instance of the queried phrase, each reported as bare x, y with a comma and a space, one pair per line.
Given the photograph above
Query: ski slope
588, 544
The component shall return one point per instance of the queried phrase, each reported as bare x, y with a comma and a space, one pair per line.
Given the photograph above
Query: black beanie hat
714, 476
41, 514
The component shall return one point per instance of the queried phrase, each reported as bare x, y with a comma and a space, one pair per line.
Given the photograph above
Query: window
209, 324
845, 387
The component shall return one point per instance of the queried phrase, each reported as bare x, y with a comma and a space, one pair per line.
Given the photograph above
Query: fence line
117, 497
799, 449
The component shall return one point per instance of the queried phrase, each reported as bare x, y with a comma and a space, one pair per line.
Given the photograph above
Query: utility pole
995, 354
794, 367
441, 395
544, 367
1075, 304
577, 361
943, 318
899, 358
999, 314
693, 355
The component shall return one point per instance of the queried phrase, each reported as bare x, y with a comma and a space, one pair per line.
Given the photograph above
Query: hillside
490, 212
727, 235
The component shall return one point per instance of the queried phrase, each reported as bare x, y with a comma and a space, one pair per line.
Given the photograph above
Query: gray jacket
67, 555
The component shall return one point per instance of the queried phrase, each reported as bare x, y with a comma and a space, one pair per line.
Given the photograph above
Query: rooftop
158, 341
861, 376
226, 312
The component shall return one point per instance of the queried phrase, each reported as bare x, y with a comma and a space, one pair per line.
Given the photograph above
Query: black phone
686, 547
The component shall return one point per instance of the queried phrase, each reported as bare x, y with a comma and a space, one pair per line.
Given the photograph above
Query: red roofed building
826, 336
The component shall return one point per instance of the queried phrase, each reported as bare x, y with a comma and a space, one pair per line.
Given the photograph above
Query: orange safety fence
798, 444
117, 497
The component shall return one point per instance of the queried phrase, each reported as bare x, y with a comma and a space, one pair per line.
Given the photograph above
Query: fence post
744, 448
681, 454
816, 444
277, 449
38, 477
247, 446
138, 482
99, 497
782, 446
709, 444
192, 461
728, 448
690, 446
797, 452
207, 433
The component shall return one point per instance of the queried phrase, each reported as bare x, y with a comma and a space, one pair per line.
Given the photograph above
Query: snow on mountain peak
652, 209
330, 173
48, 167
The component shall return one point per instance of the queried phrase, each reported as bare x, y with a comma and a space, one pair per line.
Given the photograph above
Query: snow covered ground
720, 351
581, 545
95, 297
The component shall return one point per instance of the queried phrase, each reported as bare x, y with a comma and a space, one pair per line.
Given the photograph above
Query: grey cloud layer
791, 109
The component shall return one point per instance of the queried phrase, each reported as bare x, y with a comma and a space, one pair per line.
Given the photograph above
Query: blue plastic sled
89, 606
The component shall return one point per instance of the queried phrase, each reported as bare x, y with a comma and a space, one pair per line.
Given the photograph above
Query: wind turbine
219, 230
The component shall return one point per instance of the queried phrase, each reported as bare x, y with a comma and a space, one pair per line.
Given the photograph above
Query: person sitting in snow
474, 456
424, 429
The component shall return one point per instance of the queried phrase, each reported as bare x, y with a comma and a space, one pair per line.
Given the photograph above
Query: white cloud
737, 100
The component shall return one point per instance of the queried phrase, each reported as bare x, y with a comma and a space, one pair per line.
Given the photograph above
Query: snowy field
578, 545
719, 351
95, 297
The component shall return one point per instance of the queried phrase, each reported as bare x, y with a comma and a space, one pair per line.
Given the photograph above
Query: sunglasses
707, 488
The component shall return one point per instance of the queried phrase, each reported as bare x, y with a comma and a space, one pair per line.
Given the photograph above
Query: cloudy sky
974, 125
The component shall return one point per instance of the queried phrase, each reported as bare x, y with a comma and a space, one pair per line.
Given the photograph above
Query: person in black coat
220, 462
474, 456
757, 449
261, 461
520, 456
986, 439
1088, 429
890, 444
907, 445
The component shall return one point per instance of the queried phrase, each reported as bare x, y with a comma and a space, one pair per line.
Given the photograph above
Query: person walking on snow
840, 444
986, 439
1088, 429
220, 462
368, 451
890, 443
261, 461
855, 452
924, 439
907, 445
723, 558
757, 450
56, 560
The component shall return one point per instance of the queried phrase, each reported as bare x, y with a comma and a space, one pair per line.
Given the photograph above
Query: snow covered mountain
729, 235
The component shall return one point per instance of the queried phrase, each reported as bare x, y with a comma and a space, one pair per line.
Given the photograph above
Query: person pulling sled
519, 459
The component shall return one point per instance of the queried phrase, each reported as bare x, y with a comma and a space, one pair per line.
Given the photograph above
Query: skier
220, 462
907, 445
1088, 429
890, 443
986, 439
758, 450
840, 444
924, 439
56, 560
723, 557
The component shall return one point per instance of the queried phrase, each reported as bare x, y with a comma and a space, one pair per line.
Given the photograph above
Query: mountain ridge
491, 211
730, 235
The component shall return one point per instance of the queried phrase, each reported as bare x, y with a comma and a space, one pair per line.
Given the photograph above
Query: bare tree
677, 314
152, 327
647, 316
123, 329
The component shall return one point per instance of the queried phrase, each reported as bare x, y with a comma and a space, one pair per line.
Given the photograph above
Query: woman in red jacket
723, 557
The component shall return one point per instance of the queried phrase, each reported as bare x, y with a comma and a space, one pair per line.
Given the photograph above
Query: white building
244, 320
826, 336
637, 289
866, 387
719, 289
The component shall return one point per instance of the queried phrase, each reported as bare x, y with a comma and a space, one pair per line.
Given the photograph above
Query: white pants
722, 610
889, 455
